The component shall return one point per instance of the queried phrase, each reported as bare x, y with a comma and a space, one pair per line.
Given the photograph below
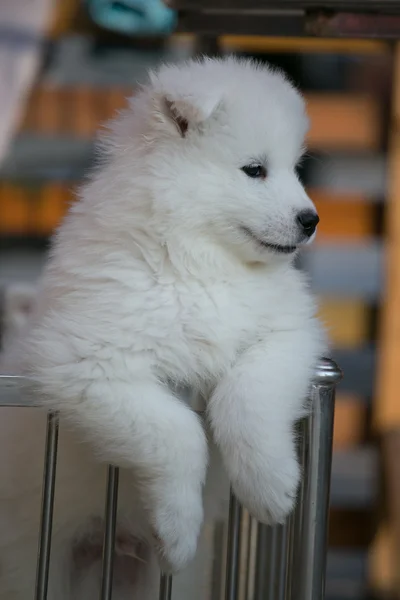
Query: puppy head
222, 138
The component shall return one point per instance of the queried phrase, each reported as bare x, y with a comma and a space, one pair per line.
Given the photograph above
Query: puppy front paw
176, 522
268, 488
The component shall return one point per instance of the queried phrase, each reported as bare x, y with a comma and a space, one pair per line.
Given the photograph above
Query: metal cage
285, 562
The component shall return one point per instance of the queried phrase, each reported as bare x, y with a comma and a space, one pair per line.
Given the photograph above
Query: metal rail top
326, 373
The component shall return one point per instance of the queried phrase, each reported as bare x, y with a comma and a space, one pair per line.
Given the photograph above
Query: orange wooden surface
349, 217
14, 210
346, 321
51, 207
385, 554
339, 121
343, 122
288, 45
387, 405
350, 421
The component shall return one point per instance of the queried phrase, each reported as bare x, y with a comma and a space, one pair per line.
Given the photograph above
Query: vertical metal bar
165, 587
218, 563
46, 521
273, 558
243, 552
233, 550
252, 561
249, 556
295, 521
271, 562
110, 524
262, 562
281, 563
309, 557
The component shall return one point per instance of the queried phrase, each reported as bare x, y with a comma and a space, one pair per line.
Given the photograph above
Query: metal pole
46, 522
295, 521
310, 523
266, 563
250, 558
262, 562
165, 587
291, 559
233, 550
110, 524
271, 562
281, 565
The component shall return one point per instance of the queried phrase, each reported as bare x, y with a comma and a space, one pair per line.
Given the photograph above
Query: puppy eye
255, 171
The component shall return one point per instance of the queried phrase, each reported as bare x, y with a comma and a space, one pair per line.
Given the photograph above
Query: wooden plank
382, 565
387, 407
86, 110
77, 110
332, 196
343, 121
391, 453
48, 109
31, 119
52, 207
350, 218
113, 101
33, 213
350, 421
339, 121
14, 210
347, 321
288, 45
63, 17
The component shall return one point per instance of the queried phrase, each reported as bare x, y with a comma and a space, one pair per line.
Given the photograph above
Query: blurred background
67, 66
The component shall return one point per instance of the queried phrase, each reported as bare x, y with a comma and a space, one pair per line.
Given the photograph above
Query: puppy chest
208, 332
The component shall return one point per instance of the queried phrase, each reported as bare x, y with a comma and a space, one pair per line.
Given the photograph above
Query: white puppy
175, 267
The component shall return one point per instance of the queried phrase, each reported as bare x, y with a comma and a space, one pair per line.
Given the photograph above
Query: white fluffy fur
152, 283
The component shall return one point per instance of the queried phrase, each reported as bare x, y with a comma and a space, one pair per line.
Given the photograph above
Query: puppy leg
252, 413
143, 427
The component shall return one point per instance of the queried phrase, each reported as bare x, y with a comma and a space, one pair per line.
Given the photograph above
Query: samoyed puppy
174, 268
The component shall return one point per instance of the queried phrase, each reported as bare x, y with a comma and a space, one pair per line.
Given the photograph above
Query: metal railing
289, 561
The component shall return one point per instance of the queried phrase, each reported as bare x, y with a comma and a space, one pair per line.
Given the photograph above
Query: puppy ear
176, 116
186, 113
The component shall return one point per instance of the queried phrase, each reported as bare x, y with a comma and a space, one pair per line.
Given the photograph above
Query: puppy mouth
277, 248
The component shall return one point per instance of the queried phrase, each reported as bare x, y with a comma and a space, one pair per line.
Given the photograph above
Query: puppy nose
308, 221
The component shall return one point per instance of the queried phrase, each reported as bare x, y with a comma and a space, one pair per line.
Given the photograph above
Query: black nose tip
308, 221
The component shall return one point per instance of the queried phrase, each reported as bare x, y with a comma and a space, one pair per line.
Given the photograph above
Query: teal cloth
133, 17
